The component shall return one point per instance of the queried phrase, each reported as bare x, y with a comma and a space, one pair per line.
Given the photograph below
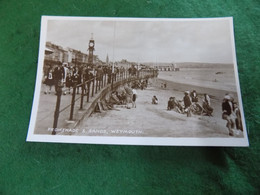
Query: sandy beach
154, 120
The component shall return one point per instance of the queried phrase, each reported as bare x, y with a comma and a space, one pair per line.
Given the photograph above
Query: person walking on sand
129, 96
238, 120
154, 100
170, 105
227, 109
134, 98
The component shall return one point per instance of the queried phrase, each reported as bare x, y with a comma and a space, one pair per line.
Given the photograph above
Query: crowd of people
70, 75
190, 104
125, 96
63, 75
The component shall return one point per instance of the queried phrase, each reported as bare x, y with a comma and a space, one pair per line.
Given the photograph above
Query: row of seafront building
55, 54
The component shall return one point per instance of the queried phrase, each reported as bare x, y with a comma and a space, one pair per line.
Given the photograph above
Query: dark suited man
227, 109
187, 103
87, 77
186, 100
58, 76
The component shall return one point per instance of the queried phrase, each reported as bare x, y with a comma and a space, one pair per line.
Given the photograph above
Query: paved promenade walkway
46, 110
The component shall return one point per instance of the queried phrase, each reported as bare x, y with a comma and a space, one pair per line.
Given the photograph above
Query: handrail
95, 84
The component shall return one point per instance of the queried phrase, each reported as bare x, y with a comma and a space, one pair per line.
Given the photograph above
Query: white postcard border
160, 141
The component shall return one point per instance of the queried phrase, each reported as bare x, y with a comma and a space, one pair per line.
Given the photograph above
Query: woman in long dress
134, 98
49, 81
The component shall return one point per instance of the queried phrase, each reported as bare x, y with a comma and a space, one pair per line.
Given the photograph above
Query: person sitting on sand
177, 105
170, 105
206, 105
114, 99
154, 100
120, 97
187, 103
194, 96
129, 96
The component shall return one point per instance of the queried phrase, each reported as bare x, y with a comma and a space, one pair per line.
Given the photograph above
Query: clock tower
91, 48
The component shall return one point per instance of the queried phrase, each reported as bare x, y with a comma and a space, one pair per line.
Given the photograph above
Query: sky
207, 41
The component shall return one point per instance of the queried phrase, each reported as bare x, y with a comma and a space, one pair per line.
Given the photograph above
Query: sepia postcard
138, 81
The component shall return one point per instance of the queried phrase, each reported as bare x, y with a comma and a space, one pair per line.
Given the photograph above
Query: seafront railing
91, 87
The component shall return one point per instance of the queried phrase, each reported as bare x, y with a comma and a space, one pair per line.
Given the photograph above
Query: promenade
46, 109
69, 117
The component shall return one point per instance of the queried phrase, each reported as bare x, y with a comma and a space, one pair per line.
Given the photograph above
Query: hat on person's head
187, 92
227, 97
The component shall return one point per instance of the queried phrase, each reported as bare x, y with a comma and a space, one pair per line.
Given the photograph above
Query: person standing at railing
87, 77
99, 72
66, 71
134, 71
109, 73
121, 70
49, 81
58, 76
99, 75
117, 73
68, 83
76, 78
130, 71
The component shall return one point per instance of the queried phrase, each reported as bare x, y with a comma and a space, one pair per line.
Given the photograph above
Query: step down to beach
104, 105
99, 107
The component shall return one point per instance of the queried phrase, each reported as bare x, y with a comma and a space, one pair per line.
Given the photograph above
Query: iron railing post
112, 81
88, 85
57, 109
96, 83
82, 95
93, 86
73, 101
